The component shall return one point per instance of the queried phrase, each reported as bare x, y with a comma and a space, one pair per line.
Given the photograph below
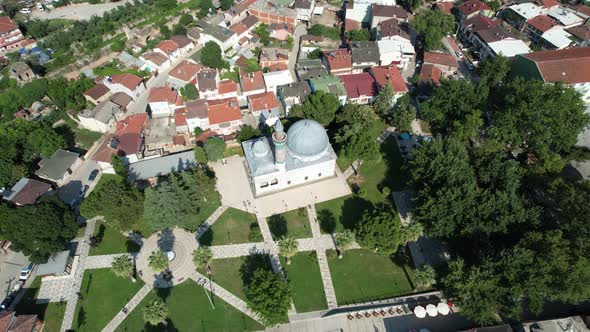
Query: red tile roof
181, 41
185, 71
163, 94
445, 7
542, 22
251, 81
430, 74
226, 86
351, 25
24, 323
389, 11
197, 109
263, 101
480, 22
224, 110
547, 3
5, 319
29, 193
7, 25
389, 75
180, 117
278, 67
167, 46
569, 65
472, 6
128, 136
97, 91
338, 59
392, 27
440, 59
357, 85
129, 81
239, 28
155, 57
583, 9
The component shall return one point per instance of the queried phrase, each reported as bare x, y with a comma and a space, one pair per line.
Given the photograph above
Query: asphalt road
78, 180
10, 265
81, 11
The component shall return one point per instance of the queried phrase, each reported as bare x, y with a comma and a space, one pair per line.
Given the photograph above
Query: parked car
459, 54
93, 175
470, 66
84, 190
40, 7
25, 11
25, 272
6, 303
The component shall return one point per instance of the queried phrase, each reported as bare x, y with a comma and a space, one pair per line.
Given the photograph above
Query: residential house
273, 56
360, 88
129, 84
281, 31
184, 44
571, 66
121, 99
168, 48
430, 77
265, 107
25, 192
365, 54
565, 18
308, 43
573, 324
252, 83
556, 38
269, 12
163, 101
329, 84
244, 28
476, 23
180, 121
59, 167
10, 322
238, 12
21, 72
293, 94
357, 15
385, 13
497, 40
227, 89
471, 8
184, 73
154, 62
225, 117
127, 142
547, 4
11, 38
310, 68
390, 75
207, 83
517, 15
581, 34
97, 94
304, 9
444, 7
102, 117
226, 38
398, 52
445, 62
197, 114
153, 168
338, 62
538, 25
194, 34
275, 78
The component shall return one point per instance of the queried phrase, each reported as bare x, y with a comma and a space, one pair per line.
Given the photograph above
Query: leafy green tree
202, 256
433, 25
155, 312
214, 148
494, 4
211, 55
186, 19
494, 70
358, 35
179, 30
119, 203
263, 32
455, 108
200, 155
379, 230
165, 4
355, 142
247, 132
344, 240
315, 54
158, 261
384, 101
198, 131
165, 31
269, 296
411, 232
38, 230
324, 31
355, 113
425, 276
403, 115
119, 166
287, 248
205, 7
319, 106
190, 92
68, 94
123, 267
226, 4
411, 5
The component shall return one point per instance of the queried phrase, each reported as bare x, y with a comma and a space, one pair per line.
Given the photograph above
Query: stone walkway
273, 252
71, 294
104, 261
239, 250
351, 169
212, 219
135, 300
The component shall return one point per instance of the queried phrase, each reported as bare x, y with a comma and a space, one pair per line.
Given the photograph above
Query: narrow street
300, 29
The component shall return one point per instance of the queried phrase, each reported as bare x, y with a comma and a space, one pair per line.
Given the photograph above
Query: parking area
82, 11
80, 177
10, 265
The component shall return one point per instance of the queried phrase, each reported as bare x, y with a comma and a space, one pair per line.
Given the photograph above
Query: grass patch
232, 227
50, 313
226, 273
233, 151
341, 213
231, 75
103, 295
111, 241
293, 223
424, 126
305, 280
362, 276
190, 310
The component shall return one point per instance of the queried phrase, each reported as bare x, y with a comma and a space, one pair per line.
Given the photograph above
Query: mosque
301, 155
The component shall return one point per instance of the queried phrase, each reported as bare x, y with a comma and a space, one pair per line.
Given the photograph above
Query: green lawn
233, 150
305, 280
85, 138
213, 202
103, 295
190, 310
111, 241
362, 275
293, 223
340, 213
232, 227
226, 273
50, 313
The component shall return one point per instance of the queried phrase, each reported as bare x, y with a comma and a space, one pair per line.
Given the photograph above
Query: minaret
279, 138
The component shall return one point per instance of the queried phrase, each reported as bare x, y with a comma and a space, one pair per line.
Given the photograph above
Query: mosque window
273, 182
319, 174
306, 178
264, 185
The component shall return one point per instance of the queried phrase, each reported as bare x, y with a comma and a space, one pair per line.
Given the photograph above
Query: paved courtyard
233, 185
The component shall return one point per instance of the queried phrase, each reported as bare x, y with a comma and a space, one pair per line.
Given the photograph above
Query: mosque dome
307, 140
260, 148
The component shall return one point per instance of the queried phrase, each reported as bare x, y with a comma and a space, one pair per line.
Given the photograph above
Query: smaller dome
307, 140
260, 148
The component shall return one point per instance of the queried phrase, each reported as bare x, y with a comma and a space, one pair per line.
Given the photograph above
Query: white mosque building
300, 156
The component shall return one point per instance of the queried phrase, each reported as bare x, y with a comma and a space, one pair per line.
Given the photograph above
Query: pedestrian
125, 310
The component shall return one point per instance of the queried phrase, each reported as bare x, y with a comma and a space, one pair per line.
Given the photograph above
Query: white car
40, 7
25, 10
459, 54
25, 272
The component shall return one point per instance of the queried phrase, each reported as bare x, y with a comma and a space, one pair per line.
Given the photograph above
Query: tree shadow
327, 221
163, 293
165, 327
207, 238
278, 226
166, 240
401, 259
251, 264
353, 210
132, 246
255, 233
100, 234
67, 134
81, 321
395, 175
